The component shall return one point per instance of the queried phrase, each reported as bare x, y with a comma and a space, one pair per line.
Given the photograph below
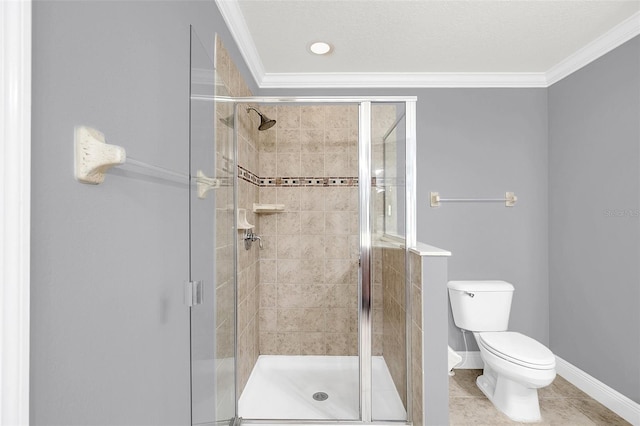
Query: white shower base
281, 387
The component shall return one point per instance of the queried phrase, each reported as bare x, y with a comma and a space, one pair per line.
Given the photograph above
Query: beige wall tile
336, 165
337, 223
339, 116
288, 344
268, 295
290, 197
312, 141
288, 271
288, 141
288, 164
268, 270
269, 247
291, 296
312, 246
311, 287
267, 142
312, 165
341, 343
339, 199
288, 247
312, 117
268, 343
301, 319
337, 247
341, 320
312, 199
288, 223
268, 224
288, 117
339, 271
311, 271
337, 141
267, 165
312, 223
268, 195
312, 343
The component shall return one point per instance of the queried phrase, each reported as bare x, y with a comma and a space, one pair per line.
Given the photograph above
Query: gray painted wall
594, 230
482, 143
110, 332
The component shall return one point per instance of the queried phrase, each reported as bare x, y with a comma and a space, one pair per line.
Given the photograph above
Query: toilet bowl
515, 366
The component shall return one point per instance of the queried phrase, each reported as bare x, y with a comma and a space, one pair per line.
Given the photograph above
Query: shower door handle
193, 293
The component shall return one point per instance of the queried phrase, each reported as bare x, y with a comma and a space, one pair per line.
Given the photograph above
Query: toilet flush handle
469, 294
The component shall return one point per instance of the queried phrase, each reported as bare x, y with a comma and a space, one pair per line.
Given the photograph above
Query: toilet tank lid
479, 286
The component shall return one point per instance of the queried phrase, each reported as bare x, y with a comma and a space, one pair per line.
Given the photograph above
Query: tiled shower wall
394, 316
309, 265
415, 274
248, 260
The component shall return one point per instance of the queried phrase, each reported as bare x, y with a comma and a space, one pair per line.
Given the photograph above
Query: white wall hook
93, 156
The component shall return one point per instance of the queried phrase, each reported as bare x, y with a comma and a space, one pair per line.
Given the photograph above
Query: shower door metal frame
365, 320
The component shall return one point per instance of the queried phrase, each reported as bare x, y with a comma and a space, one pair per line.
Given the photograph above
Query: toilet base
518, 402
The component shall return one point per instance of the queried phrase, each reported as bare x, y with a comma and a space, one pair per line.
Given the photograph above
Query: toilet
515, 366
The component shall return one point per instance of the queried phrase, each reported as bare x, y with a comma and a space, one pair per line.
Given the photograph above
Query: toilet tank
481, 305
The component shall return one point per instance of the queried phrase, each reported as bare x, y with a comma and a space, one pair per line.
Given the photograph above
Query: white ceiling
425, 43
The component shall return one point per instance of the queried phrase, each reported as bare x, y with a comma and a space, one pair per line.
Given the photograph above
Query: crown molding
401, 80
232, 15
234, 18
621, 33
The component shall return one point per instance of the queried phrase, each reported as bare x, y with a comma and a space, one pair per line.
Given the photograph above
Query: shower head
265, 122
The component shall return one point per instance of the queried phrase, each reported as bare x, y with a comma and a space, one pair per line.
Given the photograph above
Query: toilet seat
518, 349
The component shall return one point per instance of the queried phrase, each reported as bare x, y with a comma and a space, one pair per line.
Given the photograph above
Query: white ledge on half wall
422, 249
234, 18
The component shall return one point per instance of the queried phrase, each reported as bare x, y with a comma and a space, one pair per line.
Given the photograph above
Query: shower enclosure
299, 232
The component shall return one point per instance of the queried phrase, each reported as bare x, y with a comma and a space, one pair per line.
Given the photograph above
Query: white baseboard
470, 360
610, 398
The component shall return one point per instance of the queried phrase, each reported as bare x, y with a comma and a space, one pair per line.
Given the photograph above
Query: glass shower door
391, 361
210, 291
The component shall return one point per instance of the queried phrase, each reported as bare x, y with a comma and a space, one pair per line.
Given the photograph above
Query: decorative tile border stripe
308, 181
248, 176
295, 181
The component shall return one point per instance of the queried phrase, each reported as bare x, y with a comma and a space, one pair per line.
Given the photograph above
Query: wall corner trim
610, 398
613, 38
15, 214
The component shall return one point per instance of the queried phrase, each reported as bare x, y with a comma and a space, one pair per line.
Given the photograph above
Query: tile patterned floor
561, 404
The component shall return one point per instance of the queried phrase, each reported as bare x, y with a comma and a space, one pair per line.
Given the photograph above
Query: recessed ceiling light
320, 48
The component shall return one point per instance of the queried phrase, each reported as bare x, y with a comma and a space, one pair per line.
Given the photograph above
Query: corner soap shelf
243, 224
267, 208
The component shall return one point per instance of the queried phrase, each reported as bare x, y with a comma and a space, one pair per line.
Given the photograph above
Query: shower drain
320, 396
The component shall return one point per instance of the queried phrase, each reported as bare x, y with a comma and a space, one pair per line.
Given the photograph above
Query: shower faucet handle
249, 238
